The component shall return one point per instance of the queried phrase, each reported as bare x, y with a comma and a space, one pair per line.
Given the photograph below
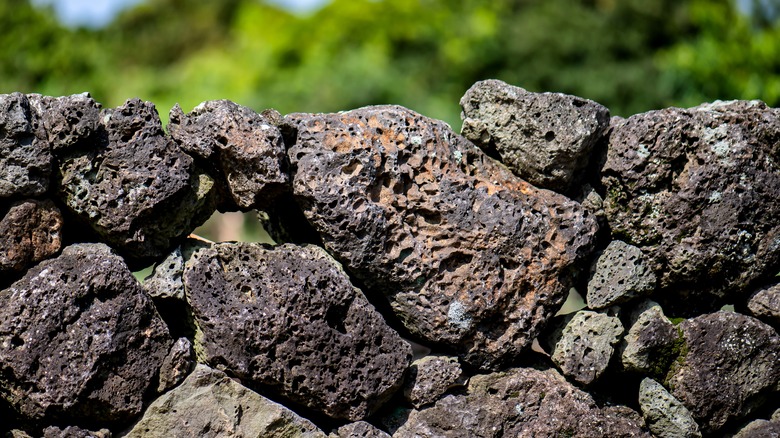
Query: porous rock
245, 148
67, 121
760, 429
545, 138
652, 342
176, 365
764, 304
359, 429
165, 281
469, 256
521, 402
287, 319
74, 432
79, 339
30, 231
430, 377
210, 404
731, 366
696, 189
25, 159
664, 415
581, 344
137, 190
621, 272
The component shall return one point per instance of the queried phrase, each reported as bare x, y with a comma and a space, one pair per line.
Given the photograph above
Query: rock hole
16, 342
549, 136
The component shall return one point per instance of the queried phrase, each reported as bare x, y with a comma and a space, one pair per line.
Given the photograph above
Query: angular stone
652, 342
288, 320
80, 341
468, 255
521, 402
732, 365
764, 304
664, 415
176, 365
29, 232
760, 429
165, 281
621, 272
696, 189
245, 148
430, 377
544, 138
74, 432
67, 121
25, 160
139, 192
209, 403
581, 343
358, 429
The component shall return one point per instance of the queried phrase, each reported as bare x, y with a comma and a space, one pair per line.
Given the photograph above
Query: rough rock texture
732, 365
245, 149
764, 304
25, 160
358, 429
545, 138
286, 318
79, 339
760, 429
521, 402
664, 415
210, 404
621, 272
652, 342
74, 432
468, 255
696, 189
30, 231
176, 365
165, 281
581, 343
68, 121
137, 190
430, 377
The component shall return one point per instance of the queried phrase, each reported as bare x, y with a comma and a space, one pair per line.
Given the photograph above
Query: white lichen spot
458, 156
720, 148
715, 196
416, 140
458, 317
265, 127
642, 151
519, 409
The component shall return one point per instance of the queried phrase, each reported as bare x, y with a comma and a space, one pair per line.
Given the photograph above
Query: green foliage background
630, 55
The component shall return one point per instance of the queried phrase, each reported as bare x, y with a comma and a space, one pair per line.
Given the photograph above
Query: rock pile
392, 231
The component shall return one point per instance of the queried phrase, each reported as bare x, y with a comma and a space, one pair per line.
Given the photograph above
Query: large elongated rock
697, 190
80, 341
468, 255
29, 232
287, 319
665, 415
25, 160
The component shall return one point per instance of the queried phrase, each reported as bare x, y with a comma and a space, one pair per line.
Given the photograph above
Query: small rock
544, 138
581, 343
664, 415
764, 304
67, 121
29, 232
760, 429
25, 159
652, 342
619, 274
209, 403
74, 432
430, 377
165, 281
176, 365
359, 429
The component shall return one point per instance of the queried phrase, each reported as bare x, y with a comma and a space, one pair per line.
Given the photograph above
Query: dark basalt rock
138, 191
29, 232
74, 432
521, 402
68, 121
245, 148
430, 377
764, 304
25, 159
652, 342
619, 274
731, 366
468, 255
697, 190
287, 319
80, 341
544, 138
358, 429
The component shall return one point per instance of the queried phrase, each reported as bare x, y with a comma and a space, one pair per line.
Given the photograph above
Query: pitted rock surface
764, 304
79, 339
68, 121
25, 159
521, 402
139, 192
652, 341
176, 365
358, 429
760, 429
210, 404
664, 415
732, 365
30, 231
468, 255
245, 148
287, 319
165, 282
431, 377
74, 432
621, 272
545, 138
697, 190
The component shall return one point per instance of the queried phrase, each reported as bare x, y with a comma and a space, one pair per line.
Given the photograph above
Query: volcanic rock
74, 432
652, 342
176, 365
358, 429
764, 304
29, 232
67, 121
25, 159
165, 282
621, 272
665, 416
760, 429
430, 377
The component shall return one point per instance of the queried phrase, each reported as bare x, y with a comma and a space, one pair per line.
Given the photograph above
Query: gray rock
25, 159
467, 254
581, 344
74, 432
79, 339
139, 192
165, 281
664, 415
621, 272
359, 429
67, 121
521, 402
245, 148
30, 231
287, 319
764, 304
544, 138
652, 342
210, 404
731, 366
760, 429
696, 189
176, 365
430, 377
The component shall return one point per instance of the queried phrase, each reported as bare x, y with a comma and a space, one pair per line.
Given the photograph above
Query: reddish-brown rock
29, 232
